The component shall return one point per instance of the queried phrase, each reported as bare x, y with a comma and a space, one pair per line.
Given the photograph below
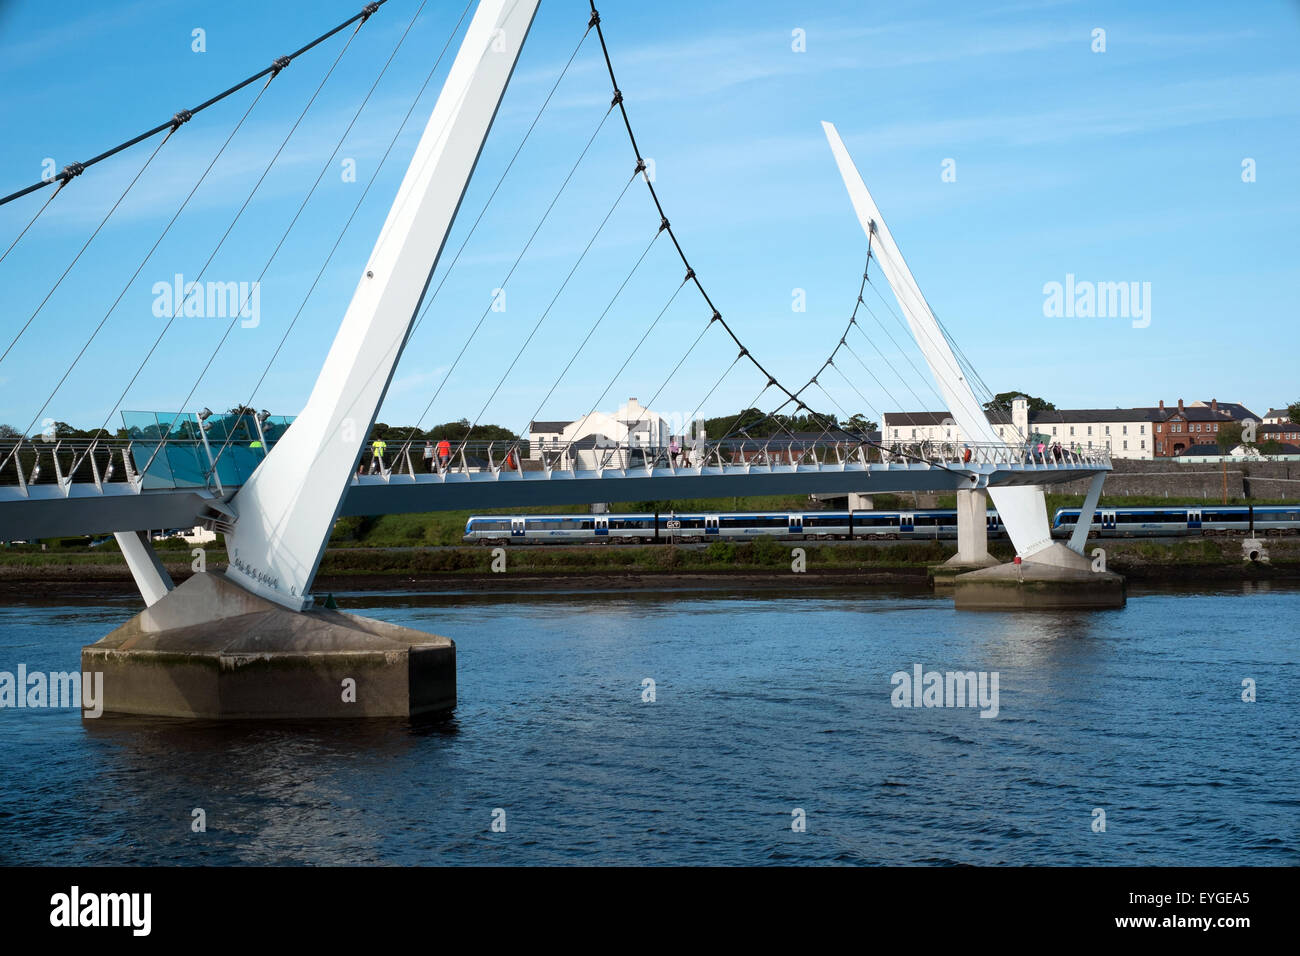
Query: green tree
1002, 402
1229, 436
1293, 412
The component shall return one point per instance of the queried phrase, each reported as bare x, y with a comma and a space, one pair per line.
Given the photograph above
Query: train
921, 524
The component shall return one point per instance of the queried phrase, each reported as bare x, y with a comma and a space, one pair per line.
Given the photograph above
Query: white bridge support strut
287, 508
146, 567
1023, 509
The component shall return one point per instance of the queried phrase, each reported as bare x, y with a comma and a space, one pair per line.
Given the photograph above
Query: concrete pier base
1064, 579
972, 540
945, 575
210, 649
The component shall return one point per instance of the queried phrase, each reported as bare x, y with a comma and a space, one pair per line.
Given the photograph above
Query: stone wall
1168, 478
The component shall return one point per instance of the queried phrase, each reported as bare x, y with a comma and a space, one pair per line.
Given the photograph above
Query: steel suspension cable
428, 303
993, 409
75, 169
85, 245
830, 359
645, 335
595, 325
143, 262
510, 165
217, 248
31, 222
542, 318
618, 101
514, 265
243, 408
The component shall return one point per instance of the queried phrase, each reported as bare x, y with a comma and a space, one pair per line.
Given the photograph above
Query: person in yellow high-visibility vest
377, 449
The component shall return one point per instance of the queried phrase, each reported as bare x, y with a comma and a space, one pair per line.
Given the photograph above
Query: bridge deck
76, 508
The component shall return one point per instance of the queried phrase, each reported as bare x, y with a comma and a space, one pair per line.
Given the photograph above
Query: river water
766, 703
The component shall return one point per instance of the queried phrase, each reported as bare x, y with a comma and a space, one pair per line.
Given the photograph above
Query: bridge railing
998, 453
826, 452
188, 463
179, 463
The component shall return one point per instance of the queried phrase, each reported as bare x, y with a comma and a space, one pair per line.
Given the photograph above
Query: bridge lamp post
258, 421
203, 415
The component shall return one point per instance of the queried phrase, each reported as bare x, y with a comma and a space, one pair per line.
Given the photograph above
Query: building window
1090, 431
1125, 427
1053, 430
1107, 429
1143, 444
1142, 430
1159, 428
1126, 446
1071, 431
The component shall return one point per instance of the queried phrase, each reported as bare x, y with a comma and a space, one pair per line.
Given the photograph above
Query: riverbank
757, 563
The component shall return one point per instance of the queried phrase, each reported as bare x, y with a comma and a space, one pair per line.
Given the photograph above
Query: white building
1277, 416
1126, 431
592, 437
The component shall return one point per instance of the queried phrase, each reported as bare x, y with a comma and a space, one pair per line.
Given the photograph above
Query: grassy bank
1199, 559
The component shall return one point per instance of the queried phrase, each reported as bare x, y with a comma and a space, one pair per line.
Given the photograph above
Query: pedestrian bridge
75, 488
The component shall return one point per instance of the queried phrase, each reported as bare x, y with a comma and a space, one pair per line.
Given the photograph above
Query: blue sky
1123, 165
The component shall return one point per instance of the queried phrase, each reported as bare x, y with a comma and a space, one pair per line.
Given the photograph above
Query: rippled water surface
766, 701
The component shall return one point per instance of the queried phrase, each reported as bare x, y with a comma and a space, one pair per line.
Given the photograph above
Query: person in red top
444, 453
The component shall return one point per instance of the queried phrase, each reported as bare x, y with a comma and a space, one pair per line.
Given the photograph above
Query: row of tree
755, 423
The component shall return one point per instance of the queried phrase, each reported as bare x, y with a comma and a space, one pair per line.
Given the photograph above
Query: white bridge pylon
285, 511
1023, 509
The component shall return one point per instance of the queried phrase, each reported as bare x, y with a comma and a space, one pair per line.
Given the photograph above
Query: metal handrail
24, 461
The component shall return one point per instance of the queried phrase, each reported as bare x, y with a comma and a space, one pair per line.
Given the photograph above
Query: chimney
1180, 404
1214, 405
1162, 404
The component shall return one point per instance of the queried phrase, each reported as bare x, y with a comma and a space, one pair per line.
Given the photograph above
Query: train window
875, 521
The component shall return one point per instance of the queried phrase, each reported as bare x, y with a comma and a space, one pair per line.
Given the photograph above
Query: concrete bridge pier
1053, 576
211, 649
972, 539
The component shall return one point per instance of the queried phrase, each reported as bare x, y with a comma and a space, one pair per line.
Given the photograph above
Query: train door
601, 526
1194, 518
516, 527
906, 522
993, 525
796, 524
710, 524
1107, 519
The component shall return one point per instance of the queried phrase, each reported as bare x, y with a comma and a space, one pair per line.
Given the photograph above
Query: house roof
1232, 409
540, 427
1201, 450
1277, 429
1055, 416
896, 419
